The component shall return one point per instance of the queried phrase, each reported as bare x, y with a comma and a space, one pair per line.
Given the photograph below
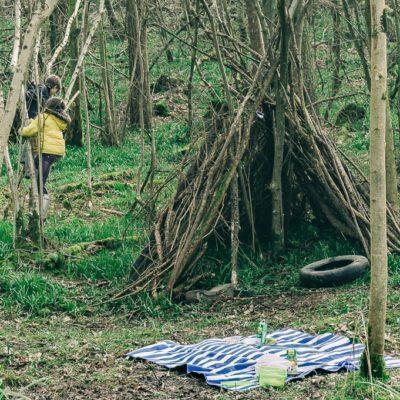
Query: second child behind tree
37, 96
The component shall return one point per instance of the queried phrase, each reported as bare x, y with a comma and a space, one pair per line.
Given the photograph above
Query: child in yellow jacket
48, 128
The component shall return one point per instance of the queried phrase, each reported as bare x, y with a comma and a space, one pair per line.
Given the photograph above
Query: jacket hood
62, 119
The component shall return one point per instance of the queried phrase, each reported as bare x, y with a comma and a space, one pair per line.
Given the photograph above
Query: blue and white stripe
232, 366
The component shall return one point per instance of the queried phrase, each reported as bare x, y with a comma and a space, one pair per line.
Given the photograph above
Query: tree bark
114, 22
53, 32
193, 62
84, 92
254, 27
136, 26
336, 54
110, 136
390, 155
378, 107
74, 134
164, 38
390, 161
277, 225
397, 24
17, 35
235, 227
11, 179
367, 17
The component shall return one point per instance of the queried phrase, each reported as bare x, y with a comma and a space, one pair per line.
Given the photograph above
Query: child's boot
46, 204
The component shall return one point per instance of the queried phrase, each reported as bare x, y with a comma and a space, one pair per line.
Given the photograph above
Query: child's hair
55, 104
53, 81
57, 107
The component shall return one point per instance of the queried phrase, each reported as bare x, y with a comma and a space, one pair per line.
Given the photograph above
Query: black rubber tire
333, 271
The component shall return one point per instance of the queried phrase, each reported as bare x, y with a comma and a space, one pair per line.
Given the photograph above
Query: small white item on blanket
232, 366
251, 341
272, 360
233, 339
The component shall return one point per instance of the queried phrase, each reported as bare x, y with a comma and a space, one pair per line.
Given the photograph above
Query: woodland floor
82, 358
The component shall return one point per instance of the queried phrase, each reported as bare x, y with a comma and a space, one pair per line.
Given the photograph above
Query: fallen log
108, 177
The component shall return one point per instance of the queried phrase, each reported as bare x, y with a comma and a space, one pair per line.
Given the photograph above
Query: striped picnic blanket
232, 366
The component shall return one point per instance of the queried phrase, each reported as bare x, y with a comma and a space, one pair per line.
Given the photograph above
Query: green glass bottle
262, 332
291, 356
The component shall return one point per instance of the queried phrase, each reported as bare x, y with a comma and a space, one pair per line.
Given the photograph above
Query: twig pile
335, 191
335, 187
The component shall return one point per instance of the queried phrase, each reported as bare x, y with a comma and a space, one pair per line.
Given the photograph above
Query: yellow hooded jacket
51, 130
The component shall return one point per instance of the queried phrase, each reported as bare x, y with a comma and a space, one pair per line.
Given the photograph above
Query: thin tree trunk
37, 184
357, 43
164, 38
84, 93
110, 136
377, 312
241, 22
254, 27
397, 24
277, 225
308, 57
136, 26
17, 35
193, 62
10, 171
390, 155
87, 139
34, 229
221, 66
234, 229
140, 80
114, 22
53, 31
336, 54
147, 103
11, 179
367, 17
74, 134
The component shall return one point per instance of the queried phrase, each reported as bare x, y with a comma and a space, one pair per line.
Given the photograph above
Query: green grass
33, 294
357, 388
